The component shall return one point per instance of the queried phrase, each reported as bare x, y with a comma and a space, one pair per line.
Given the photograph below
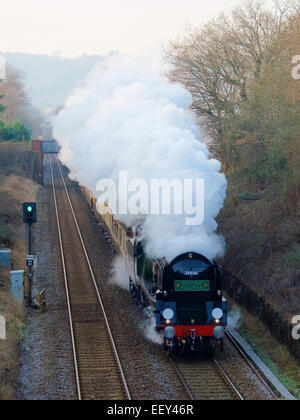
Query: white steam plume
125, 116
148, 327
120, 274
234, 318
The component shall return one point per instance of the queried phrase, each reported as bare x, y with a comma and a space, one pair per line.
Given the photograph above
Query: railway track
97, 366
205, 379
253, 369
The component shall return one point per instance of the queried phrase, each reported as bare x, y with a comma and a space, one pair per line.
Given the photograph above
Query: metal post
29, 268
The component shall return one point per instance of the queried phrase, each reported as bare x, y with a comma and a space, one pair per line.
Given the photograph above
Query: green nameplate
192, 285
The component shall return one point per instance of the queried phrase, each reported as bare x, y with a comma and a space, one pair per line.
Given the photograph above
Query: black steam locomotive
186, 296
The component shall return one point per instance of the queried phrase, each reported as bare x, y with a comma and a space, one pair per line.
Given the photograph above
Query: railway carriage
185, 294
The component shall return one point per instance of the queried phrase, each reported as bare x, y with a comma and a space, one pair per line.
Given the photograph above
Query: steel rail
182, 380
96, 286
229, 381
66, 284
250, 364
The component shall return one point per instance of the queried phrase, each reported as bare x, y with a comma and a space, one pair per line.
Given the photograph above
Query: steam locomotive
185, 295
187, 301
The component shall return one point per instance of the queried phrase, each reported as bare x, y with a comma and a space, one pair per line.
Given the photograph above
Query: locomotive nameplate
192, 285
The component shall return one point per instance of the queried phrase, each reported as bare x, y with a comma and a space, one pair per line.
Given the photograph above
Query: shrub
14, 131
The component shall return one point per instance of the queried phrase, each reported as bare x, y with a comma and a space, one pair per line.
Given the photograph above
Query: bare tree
13, 93
32, 119
218, 62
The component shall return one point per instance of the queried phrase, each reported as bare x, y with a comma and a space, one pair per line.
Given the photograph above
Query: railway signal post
29, 218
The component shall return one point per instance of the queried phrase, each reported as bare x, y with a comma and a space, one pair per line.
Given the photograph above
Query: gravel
46, 365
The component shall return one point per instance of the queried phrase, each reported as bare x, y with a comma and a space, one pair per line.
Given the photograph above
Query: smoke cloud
148, 327
119, 274
234, 318
126, 116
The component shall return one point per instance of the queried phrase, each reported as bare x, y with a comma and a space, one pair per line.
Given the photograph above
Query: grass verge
16, 187
14, 314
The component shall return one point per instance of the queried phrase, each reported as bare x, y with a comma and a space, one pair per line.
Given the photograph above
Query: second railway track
209, 379
97, 367
219, 379
204, 379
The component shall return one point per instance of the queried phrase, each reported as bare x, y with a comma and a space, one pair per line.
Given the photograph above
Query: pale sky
97, 27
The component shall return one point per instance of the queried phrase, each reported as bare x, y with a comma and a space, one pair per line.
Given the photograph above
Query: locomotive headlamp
217, 313
168, 314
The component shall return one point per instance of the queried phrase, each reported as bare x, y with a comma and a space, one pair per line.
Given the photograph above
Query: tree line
238, 69
18, 121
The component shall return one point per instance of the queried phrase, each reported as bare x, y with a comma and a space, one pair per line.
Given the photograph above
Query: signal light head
29, 213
